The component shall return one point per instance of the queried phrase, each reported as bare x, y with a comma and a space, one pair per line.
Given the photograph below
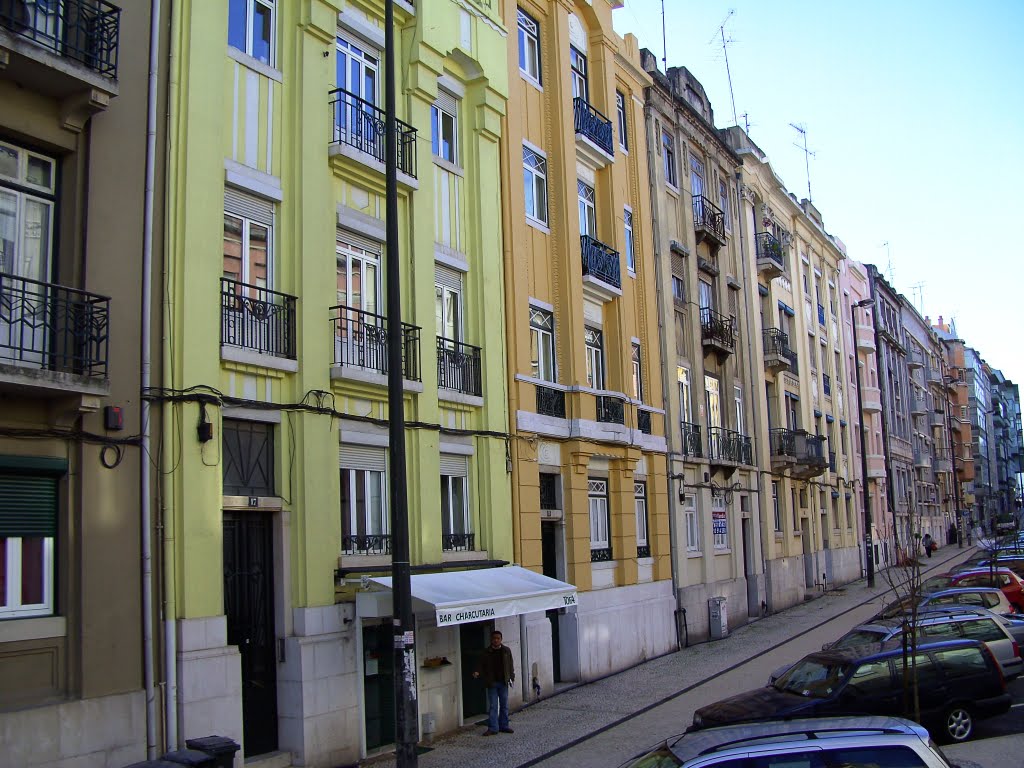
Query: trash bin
191, 757
221, 748
719, 618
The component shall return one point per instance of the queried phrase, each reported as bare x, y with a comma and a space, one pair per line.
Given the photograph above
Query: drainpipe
145, 478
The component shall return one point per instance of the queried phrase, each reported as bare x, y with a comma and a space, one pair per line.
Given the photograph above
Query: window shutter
362, 457
28, 505
447, 102
349, 238
678, 265
449, 278
249, 206
454, 465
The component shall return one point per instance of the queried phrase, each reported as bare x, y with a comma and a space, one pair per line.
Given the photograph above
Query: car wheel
958, 724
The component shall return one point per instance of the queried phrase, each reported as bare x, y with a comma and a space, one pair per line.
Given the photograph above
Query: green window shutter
28, 505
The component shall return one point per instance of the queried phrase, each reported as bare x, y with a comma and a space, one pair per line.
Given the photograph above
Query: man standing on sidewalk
497, 673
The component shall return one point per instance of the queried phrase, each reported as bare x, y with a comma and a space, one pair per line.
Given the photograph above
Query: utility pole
869, 552
404, 660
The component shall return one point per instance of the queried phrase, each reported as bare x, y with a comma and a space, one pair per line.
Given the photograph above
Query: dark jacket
495, 666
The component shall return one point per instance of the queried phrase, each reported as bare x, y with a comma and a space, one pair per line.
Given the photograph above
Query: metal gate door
249, 605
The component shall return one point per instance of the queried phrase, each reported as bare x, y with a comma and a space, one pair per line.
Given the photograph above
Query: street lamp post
869, 557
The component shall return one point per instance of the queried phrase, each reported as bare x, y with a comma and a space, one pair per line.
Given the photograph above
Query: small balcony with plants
717, 333
778, 356
771, 259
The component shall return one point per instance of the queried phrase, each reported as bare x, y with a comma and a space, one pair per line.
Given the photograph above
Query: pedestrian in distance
926, 542
496, 672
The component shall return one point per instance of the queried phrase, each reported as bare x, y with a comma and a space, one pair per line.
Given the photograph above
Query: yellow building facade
585, 393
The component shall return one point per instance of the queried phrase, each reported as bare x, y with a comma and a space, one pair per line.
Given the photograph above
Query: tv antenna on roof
918, 291
808, 154
725, 51
664, 41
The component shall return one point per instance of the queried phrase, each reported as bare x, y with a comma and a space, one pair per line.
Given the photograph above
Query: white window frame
352, 513
587, 200
640, 505
737, 397
600, 523
668, 155
620, 114
593, 340
529, 46
535, 180
438, 117
680, 297
248, 222
638, 376
721, 539
250, 31
685, 394
692, 523
13, 607
697, 176
627, 224
723, 200
578, 74
542, 339
451, 515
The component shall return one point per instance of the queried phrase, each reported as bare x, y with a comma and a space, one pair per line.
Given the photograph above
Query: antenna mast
808, 154
728, 71
918, 289
664, 40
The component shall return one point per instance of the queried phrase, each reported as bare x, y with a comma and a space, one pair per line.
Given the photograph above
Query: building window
594, 341
588, 213
444, 129
356, 73
456, 528
643, 546
364, 512
668, 158
578, 73
535, 185
696, 175
638, 381
776, 514
28, 527
27, 186
627, 217
248, 244
723, 200
620, 113
685, 396
600, 536
529, 46
549, 491
792, 501
251, 28
678, 290
248, 458
692, 527
737, 398
542, 344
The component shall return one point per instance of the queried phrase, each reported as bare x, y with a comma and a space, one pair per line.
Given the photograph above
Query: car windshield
812, 678
659, 758
935, 583
898, 608
859, 637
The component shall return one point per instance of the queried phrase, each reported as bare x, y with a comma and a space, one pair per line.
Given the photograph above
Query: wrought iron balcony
826, 384
611, 410
550, 402
85, 31
717, 331
361, 125
769, 252
458, 367
361, 341
804, 453
643, 421
257, 319
602, 555
729, 446
776, 349
458, 542
53, 328
692, 445
592, 125
366, 544
600, 261
708, 221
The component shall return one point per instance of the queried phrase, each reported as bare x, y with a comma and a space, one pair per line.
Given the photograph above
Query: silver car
983, 597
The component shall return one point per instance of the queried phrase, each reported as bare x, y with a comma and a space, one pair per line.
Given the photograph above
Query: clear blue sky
915, 111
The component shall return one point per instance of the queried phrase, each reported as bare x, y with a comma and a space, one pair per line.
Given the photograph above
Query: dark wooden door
379, 685
549, 561
473, 639
249, 605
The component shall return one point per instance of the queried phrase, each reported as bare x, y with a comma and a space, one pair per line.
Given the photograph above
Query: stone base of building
107, 732
843, 565
694, 600
785, 582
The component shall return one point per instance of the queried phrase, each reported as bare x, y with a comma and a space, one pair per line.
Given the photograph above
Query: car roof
962, 590
724, 737
857, 654
927, 613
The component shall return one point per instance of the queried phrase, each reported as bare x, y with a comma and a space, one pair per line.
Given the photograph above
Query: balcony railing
610, 410
643, 421
85, 31
600, 261
458, 542
708, 218
915, 359
782, 442
826, 384
361, 341
769, 248
717, 328
593, 125
692, 445
550, 402
643, 550
793, 360
360, 124
600, 555
933, 375
53, 328
727, 445
799, 445
458, 367
776, 342
257, 319
366, 544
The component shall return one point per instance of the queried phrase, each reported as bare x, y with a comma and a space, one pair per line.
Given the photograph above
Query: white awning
459, 597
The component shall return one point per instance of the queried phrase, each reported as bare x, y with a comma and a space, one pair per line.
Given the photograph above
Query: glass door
355, 122
360, 335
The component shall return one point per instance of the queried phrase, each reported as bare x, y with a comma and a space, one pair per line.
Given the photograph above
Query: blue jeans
497, 699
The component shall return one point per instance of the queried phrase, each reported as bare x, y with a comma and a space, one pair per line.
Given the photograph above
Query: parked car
947, 624
884, 742
959, 682
998, 577
985, 597
1014, 562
